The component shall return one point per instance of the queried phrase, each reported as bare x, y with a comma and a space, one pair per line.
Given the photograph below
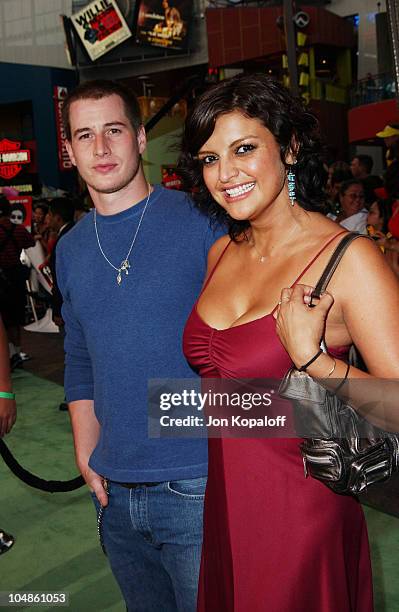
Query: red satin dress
273, 540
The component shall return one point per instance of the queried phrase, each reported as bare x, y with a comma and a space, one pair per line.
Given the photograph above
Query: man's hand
95, 482
8, 415
86, 432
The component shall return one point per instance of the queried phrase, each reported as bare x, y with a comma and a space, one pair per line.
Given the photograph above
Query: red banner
59, 94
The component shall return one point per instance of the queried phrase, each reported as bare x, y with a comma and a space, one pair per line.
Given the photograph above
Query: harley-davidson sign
12, 157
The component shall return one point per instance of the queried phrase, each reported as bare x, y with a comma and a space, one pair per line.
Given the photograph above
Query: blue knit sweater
118, 337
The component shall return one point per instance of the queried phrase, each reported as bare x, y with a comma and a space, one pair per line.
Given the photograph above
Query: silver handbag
341, 448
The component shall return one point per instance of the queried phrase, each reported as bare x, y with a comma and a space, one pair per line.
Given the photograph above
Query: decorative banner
12, 157
101, 27
21, 211
170, 177
164, 24
59, 93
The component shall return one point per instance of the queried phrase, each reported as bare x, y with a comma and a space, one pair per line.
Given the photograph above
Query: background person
353, 215
241, 144
8, 413
378, 217
335, 180
390, 135
60, 220
40, 228
361, 167
13, 239
377, 227
81, 210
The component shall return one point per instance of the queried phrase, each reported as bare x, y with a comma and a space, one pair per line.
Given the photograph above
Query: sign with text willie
164, 23
101, 27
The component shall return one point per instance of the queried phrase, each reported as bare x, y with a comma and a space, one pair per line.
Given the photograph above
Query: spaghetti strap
214, 268
312, 262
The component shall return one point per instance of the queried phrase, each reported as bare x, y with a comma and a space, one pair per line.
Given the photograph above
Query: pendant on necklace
262, 259
125, 265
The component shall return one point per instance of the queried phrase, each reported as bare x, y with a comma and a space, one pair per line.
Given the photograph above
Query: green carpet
56, 545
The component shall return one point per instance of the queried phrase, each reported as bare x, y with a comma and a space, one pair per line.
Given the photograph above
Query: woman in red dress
273, 540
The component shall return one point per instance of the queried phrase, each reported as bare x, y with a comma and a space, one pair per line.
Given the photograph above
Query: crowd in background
366, 203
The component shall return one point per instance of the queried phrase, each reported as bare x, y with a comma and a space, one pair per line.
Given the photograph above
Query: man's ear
141, 139
70, 152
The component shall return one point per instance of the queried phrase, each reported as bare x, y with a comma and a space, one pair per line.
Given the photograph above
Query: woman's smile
239, 191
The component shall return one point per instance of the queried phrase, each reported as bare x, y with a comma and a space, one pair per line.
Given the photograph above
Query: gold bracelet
333, 368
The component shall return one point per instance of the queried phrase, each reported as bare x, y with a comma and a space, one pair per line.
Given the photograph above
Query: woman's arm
367, 294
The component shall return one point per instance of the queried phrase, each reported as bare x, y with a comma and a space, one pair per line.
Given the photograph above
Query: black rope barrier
51, 486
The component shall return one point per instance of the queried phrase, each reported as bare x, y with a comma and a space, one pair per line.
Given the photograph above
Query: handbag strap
330, 268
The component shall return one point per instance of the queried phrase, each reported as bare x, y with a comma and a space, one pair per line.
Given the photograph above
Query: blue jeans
153, 538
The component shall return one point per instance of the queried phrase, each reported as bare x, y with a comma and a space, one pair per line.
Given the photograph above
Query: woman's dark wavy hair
260, 97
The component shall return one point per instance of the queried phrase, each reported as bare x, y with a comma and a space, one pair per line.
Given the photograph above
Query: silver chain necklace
262, 258
125, 265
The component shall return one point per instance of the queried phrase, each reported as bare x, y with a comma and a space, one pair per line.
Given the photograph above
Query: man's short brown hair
102, 88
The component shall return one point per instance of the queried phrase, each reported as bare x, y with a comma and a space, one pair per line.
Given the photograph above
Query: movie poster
164, 23
21, 211
101, 27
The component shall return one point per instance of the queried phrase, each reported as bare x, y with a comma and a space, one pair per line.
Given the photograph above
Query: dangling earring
291, 184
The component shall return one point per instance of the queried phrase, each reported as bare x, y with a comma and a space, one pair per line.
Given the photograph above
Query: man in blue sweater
129, 274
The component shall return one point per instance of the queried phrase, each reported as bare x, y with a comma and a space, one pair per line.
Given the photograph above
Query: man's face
104, 146
54, 221
356, 169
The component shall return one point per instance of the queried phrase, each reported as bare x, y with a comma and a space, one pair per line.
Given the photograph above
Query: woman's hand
299, 327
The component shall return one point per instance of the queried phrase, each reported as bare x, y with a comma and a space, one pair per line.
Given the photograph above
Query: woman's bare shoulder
365, 274
217, 249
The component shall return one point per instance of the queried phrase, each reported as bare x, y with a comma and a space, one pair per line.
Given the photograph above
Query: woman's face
38, 215
374, 218
352, 201
242, 167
